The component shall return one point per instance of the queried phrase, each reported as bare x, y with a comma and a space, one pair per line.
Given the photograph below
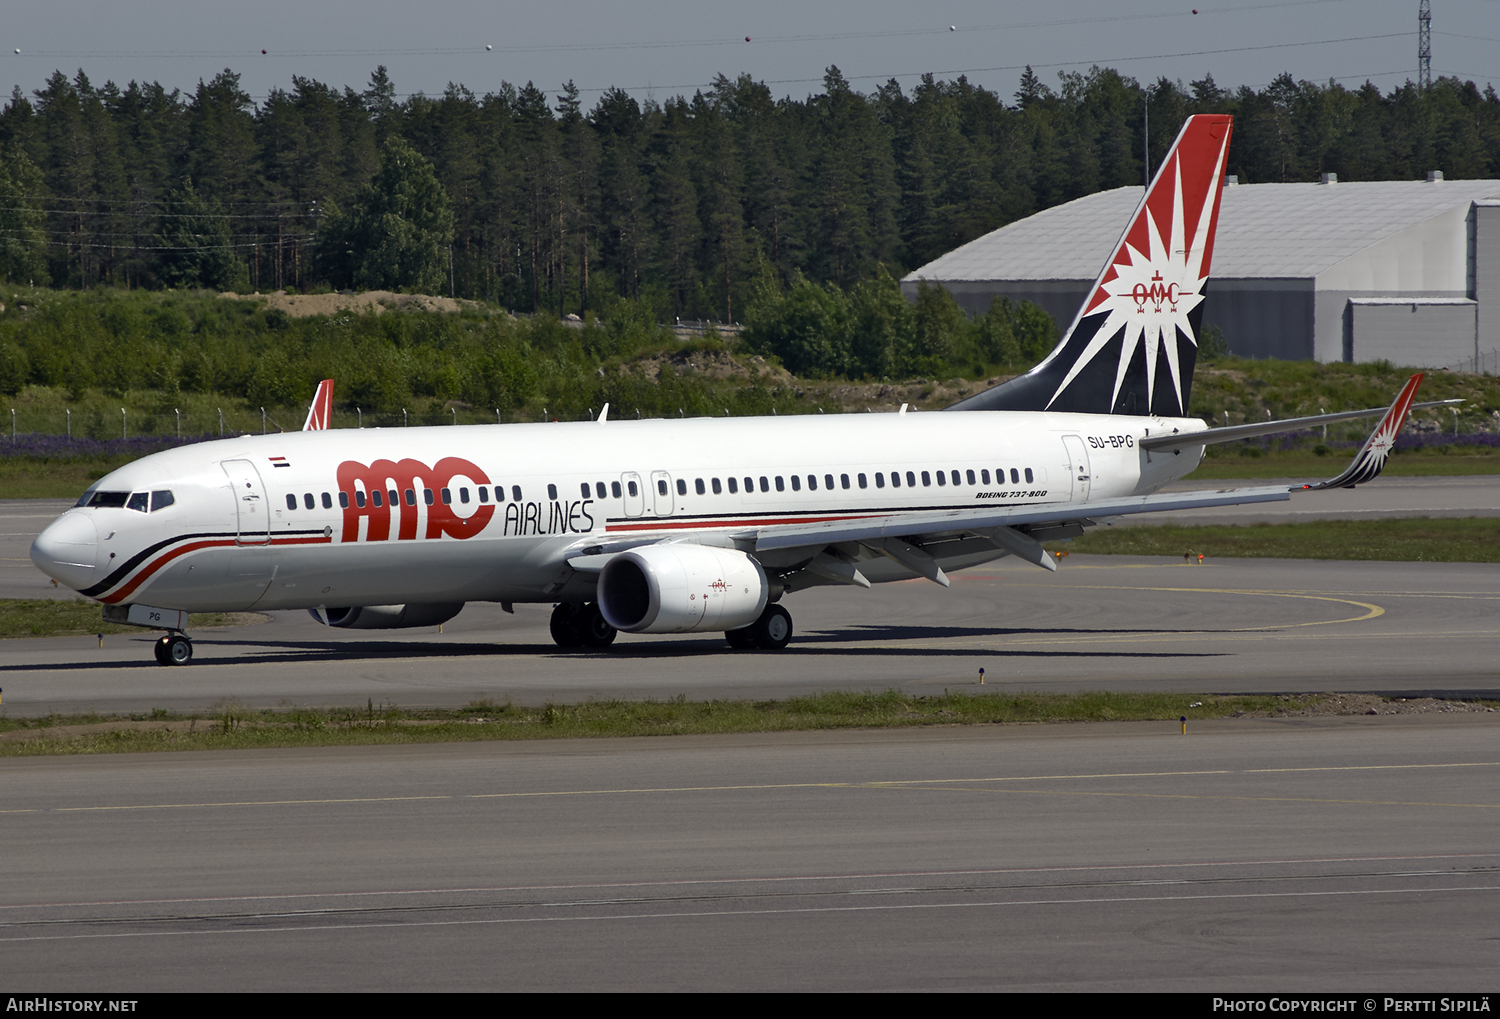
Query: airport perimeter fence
159, 432
53, 430
1484, 363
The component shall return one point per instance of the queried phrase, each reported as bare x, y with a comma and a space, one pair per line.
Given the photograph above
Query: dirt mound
709, 364
378, 301
846, 396
1368, 704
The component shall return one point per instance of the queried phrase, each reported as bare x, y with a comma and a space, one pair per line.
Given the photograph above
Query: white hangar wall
1300, 271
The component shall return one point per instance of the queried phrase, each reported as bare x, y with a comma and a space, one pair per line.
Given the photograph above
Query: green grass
40, 617
1460, 540
232, 726
35, 479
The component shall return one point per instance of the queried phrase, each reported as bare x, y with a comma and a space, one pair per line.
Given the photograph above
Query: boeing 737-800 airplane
690, 525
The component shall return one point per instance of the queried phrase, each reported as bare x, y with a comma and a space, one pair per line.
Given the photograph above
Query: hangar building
1405, 271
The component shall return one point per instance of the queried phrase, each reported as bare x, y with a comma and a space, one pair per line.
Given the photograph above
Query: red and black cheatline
123, 581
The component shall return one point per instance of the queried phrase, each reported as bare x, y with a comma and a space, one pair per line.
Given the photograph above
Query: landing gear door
1078, 466
661, 489
635, 495
250, 502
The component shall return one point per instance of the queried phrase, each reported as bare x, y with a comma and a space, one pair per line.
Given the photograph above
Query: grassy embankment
1458, 540
186, 358
25, 617
232, 726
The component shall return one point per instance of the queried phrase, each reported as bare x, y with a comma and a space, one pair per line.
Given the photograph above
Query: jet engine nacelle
680, 588
387, 617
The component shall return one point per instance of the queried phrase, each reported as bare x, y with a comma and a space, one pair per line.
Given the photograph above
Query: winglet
1370, 459
320, 414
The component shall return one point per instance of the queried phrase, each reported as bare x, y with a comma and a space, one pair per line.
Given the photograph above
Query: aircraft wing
1018, 530
1021, 529
943, 522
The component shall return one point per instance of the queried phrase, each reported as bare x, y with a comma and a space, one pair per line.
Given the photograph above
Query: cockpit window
138, 502
160, 500
107, 500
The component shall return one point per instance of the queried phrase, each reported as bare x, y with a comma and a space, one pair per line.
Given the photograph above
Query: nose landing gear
174, 649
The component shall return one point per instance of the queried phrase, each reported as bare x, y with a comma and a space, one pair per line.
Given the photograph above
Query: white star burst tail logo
1158, 273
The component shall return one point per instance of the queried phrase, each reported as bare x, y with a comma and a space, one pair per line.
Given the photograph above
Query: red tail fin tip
320, 414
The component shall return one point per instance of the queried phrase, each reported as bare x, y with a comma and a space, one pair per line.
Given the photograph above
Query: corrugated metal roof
1265, 230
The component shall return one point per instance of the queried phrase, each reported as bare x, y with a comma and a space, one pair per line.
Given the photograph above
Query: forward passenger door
249, 501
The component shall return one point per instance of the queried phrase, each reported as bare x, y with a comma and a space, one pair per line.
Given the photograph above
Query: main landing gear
771, 632
581, 626
174, 649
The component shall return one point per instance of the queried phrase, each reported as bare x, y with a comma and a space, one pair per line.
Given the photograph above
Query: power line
1060, 63
162, 247
244, 202
153, 215
673, 44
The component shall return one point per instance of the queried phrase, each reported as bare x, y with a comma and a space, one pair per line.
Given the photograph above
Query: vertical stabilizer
1132, 347
320, 414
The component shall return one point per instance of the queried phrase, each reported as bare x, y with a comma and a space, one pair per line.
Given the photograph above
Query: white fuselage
261, 521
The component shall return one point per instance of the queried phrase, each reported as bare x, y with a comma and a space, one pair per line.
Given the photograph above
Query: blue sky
666, 47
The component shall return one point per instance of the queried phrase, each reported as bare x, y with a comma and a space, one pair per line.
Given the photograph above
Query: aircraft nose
68, 550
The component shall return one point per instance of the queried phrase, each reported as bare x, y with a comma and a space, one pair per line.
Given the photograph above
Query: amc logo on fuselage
389, 480
407, 489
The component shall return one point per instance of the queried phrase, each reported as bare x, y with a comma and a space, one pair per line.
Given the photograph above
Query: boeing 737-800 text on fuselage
689, 525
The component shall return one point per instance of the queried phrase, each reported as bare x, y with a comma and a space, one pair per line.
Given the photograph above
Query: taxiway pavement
1100, 622
1108, 622
1250, 855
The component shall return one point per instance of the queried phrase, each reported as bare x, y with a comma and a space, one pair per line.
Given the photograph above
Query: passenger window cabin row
599, 489
378, 498
828, 483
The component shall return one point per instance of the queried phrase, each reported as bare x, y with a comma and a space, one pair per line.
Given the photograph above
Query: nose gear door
250, 502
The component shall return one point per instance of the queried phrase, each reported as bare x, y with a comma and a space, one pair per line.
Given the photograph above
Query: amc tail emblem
1155, 293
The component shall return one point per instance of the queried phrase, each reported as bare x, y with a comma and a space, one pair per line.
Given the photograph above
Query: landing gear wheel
742, 639
581, 626
174, 649
593, 629
564, 633
773, 630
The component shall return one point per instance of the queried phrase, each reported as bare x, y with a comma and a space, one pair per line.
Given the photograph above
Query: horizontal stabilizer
1370, 460
1233, 433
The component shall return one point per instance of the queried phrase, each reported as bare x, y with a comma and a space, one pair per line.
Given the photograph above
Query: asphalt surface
1347, 854
1317, 854
1100, 622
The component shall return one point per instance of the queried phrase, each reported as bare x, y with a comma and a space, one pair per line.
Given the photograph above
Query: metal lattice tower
1424, 44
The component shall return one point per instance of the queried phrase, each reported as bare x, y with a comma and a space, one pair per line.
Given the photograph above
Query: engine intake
387, 617
681, 588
